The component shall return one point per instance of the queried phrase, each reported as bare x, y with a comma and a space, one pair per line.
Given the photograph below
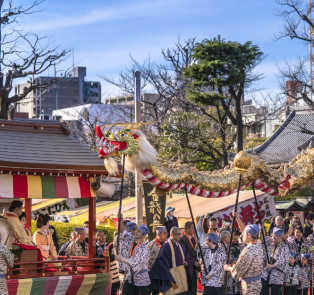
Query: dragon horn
99, 132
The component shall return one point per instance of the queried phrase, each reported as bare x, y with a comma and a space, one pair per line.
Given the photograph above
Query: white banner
247, 210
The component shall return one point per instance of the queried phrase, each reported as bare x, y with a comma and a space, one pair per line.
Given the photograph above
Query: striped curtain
45, 187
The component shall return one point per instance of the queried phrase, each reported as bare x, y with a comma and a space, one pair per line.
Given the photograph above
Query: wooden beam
92, 228
28, 212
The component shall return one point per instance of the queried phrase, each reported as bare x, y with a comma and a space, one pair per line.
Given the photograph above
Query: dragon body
141, 156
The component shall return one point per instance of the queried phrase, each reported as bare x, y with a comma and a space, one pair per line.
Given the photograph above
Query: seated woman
22, 218
43, 238
12, 216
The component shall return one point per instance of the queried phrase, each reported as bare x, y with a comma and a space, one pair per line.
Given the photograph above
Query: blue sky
104, 33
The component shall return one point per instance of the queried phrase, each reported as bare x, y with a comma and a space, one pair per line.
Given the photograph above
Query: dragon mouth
111, 148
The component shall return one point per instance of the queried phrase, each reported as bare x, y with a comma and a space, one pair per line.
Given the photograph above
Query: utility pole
138, 176
311, 18
1, 77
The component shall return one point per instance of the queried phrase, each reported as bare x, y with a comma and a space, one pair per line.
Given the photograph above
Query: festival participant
12, 216
127, 230
308, 229
213, 223
278, 223
63, 248
291, 277
214, 260
43, 238
225, 225
6, 260
170, 220
285, 235
236, 246
137, 278
224, 243
114, 268
79, 247
100, 243
310, 241
86, 228
298, 245
287, 221
168, 272
55, 239
305, 275
249, 266
233, 286
205, 222
273, 273
22, 218
189, 243
154, 247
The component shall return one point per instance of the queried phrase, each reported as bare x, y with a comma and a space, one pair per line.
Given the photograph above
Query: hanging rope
120, 204
198, 242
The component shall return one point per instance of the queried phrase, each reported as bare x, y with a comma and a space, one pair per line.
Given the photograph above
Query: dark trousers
128, 289
213, 290
291, 290
193, 284
275, 289
305, 291
152, 291
115, 287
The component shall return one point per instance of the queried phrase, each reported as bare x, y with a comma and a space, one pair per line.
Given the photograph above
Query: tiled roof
283, 145
29, 145
286, 142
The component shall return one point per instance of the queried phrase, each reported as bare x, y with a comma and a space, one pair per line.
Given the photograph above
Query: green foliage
192, 138
253, 142
222, 69
64, 230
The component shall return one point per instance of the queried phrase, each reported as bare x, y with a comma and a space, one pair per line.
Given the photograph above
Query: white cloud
98, 15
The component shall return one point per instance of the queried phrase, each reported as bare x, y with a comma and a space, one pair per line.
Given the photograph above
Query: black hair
237, 232
86, 222
310, 216
42, 219
213, 219
22, 215
256, 221
15, 204
289, 214
299, 227
188, 224
126, 221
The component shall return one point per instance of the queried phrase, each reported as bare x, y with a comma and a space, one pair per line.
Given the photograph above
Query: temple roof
286, 142
45, 147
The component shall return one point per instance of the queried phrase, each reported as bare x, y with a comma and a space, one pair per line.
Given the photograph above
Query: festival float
39, 160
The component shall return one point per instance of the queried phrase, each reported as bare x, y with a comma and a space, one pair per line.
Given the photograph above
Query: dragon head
126, 140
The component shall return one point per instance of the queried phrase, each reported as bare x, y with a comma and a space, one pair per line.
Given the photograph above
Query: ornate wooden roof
44, 148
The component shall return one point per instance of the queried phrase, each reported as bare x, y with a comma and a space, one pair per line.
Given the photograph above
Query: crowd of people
252, 261
258, 262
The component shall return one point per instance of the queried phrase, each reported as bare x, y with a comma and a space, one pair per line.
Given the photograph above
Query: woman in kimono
43, 238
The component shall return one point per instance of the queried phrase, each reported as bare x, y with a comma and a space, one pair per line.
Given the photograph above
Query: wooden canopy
45, 148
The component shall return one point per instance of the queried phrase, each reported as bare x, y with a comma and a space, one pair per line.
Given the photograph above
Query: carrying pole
260, 221
120, 204
198, 241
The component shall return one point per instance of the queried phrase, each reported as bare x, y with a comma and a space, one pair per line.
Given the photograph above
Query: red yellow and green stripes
99, 283
44, 187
